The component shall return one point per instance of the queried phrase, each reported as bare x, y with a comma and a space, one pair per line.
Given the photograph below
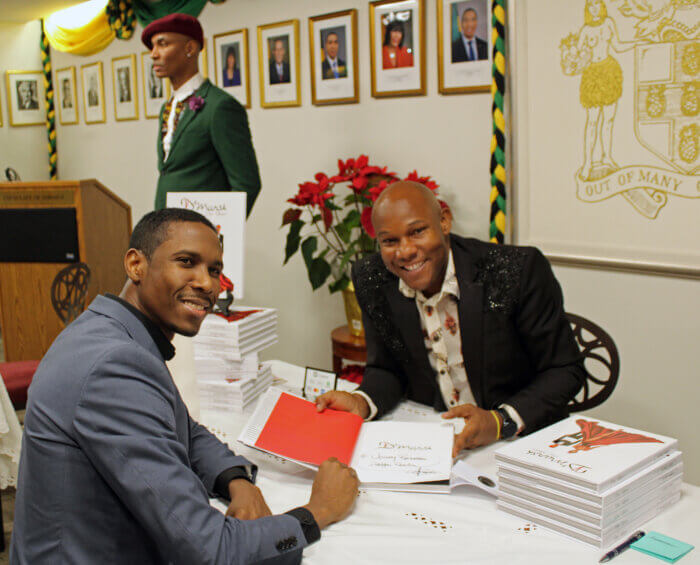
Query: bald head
413, 235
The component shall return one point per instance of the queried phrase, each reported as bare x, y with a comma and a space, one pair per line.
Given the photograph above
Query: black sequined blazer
517, 344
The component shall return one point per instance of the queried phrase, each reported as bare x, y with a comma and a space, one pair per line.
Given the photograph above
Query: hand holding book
333, 493
343, 401
481, 427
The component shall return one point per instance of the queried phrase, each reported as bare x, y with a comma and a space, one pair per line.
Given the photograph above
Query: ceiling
28, 10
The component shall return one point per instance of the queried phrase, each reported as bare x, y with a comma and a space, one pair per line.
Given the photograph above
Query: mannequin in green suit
207, 145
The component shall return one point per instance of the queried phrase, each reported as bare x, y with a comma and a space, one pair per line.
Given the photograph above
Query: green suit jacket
211, 149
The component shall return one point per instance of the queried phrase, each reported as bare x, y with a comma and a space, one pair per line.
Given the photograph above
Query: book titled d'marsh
590, 480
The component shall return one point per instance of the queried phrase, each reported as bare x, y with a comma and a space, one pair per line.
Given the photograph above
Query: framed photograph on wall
66, 97
333, 56
278, 64
464, 48
156, 90
397, 47
126, 100
93, 93
25, 97
231, 68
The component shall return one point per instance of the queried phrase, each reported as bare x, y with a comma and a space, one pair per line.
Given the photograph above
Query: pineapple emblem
690, 60
690, 99
688, 143
656, 100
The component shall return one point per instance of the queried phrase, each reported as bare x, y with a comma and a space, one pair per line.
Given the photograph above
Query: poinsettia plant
334, 229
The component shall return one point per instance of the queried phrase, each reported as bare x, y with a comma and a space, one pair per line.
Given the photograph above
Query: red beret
177, 23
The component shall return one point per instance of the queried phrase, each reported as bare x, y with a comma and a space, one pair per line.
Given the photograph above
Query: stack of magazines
590, 480
229, 374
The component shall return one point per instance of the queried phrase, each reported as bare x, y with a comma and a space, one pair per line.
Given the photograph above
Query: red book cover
296, 430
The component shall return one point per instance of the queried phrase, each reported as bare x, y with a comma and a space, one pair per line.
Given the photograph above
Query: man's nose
406, 249
204, 281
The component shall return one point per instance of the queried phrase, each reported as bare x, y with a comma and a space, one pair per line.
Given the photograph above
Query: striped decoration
497, 220
50, 111
121, 17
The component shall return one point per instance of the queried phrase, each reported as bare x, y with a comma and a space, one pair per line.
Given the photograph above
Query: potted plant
334, 229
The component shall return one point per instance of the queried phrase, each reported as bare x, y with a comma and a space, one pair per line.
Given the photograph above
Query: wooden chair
68, 294
69, 291
600, 359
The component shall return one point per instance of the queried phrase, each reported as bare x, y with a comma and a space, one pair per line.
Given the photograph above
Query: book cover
587, 452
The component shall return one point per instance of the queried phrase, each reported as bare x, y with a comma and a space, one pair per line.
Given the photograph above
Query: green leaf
343, 230
331, 205
319, 272
317, 218
367, 243
308, 248
341, 284
352, 219
345, 258
293, 239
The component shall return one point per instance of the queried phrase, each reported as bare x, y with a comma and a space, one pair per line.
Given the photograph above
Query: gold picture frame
25, 98
239, 84
66, 99
204, 59
393, 67
93, 92
279, 88
156, 90
125, 88
456, 73
336, 80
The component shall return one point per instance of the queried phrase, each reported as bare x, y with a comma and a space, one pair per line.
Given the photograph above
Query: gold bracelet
498, 424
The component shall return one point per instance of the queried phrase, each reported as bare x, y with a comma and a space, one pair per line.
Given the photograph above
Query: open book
403, 456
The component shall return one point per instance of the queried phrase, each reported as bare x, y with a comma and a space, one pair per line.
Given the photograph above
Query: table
462, 527
347, 346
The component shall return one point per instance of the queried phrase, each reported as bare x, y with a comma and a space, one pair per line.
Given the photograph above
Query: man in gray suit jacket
113, 469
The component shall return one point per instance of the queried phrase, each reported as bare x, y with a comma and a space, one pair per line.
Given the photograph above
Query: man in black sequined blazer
512, 364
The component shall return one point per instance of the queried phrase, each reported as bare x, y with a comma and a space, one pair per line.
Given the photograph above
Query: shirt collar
162, 343
188, 88
449, 284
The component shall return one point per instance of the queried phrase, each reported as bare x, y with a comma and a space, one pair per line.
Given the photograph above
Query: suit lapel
470, 320
187, 116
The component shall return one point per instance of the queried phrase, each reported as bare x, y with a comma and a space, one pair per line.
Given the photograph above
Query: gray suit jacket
113, 469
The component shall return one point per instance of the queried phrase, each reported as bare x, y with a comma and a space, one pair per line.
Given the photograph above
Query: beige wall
22, 148
653, 319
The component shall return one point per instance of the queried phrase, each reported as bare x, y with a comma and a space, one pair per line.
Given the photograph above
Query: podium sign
226, 210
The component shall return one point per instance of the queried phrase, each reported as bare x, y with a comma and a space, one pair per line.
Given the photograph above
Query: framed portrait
333, 56
126, 100
156, 90
93, 93
464, 46
66, 96
25, 98
278, 60
397, 47
231, 68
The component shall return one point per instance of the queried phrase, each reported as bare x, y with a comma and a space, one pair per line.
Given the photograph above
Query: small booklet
403, 456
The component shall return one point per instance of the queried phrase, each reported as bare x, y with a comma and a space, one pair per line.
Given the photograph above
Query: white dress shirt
178, 96
471, 42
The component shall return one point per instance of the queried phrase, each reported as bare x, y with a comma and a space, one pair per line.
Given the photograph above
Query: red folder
296, 430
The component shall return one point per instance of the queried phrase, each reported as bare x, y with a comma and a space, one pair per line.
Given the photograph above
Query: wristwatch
509, 426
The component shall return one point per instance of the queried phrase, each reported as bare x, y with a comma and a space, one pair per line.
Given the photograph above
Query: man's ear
445, 219
135, 265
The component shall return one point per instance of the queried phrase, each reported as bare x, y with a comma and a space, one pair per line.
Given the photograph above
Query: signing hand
333, 493
479, 427
247, 502
344, 401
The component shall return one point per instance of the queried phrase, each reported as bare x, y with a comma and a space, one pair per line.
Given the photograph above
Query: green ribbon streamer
146, 12
498, 155
121, 17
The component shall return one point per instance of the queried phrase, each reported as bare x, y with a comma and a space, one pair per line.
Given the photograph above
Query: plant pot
353, 312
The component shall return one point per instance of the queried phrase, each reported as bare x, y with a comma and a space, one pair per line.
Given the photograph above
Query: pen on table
622, 547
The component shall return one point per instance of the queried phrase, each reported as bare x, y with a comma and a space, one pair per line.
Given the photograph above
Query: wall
444, 136
22, 148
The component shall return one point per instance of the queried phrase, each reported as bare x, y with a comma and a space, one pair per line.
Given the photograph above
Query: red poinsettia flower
366, 221
427, 181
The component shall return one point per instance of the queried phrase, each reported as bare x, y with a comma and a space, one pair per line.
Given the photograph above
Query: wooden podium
43, 227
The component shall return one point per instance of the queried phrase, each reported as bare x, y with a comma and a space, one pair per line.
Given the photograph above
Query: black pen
622, 547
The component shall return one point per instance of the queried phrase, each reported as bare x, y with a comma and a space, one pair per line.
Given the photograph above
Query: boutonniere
195, 103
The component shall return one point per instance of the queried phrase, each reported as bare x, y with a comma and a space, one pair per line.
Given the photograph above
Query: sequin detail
499, 271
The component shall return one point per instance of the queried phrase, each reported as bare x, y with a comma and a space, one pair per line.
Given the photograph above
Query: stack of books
234, 394
590, 480
229, 374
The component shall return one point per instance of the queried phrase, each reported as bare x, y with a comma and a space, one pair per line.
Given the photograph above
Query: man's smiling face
413, 235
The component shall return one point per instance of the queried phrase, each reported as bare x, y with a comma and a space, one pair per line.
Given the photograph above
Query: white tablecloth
462, 527
10, 440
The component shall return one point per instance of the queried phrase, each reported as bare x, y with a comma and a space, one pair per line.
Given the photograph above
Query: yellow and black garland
50, 111
121, 17
497, 226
